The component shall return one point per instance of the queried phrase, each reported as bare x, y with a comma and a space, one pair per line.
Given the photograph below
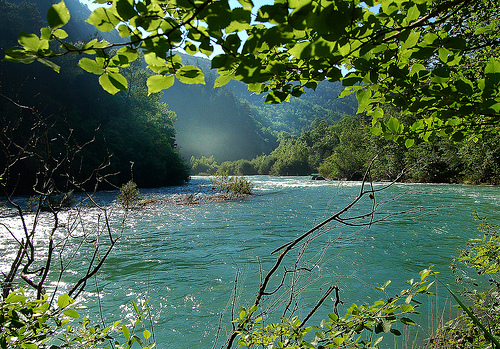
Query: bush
129, 194
362, 326
468, 330
36, 323
231, 185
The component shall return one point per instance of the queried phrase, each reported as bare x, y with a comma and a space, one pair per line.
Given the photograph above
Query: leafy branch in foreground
435, 60
361, 326
36, 324
479, 324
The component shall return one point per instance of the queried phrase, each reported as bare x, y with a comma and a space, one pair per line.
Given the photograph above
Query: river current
186, 258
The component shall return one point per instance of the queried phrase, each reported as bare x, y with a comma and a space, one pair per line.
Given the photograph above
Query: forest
134, 131
344, 150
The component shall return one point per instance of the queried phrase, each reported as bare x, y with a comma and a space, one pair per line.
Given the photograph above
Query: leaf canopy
437, 62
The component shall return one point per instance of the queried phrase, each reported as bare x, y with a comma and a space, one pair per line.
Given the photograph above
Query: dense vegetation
344, 150
297, 114
130, 128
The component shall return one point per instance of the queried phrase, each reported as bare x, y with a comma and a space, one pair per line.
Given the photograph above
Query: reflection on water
186, 257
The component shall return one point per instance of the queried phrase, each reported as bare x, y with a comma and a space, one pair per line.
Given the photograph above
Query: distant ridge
231, 122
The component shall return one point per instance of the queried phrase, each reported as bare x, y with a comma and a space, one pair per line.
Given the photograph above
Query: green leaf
222, 80
124, 57
103, 19
146, 334
443, 54
49, 64
72, 313
408, 321
63, 301
189, 74
15, 298
190, 48
413, 13
113, 82
91, 66
240, 20
339, 340
393, 125
58, 15
409, 142
30, 42
124, 31
247, 4
151, 58
395, 332
125, 9
411, 41
363, 97
156, 83
492, 72
125, 331
18, 56
377, 131
61, 34
46, 33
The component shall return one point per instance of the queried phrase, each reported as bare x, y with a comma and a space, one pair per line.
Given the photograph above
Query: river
185, 258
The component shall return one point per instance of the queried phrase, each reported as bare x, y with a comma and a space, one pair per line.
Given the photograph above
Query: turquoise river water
186, 258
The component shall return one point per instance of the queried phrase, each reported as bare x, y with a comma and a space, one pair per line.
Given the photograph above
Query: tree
60, 229
436, 60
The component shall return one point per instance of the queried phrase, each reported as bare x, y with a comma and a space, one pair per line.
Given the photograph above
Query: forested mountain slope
297, 114
128, 128
212, 121
231, 122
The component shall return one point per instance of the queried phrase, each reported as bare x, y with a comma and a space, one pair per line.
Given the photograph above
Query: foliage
129, 194
351, 157
343, 150
231, 185
203, 165
480, 320
296, 115
362, 326
129, 126
36, 323
435, 60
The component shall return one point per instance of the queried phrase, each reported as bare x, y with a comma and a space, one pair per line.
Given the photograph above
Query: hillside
232, 123
69, 109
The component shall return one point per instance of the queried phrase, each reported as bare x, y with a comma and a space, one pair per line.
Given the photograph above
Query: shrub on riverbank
464, 331
129, 194
236, 186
